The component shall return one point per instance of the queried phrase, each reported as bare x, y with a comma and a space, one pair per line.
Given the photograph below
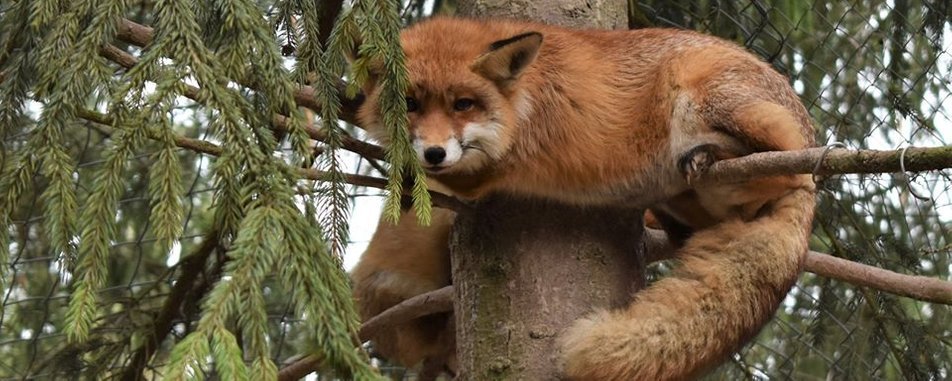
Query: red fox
623, 117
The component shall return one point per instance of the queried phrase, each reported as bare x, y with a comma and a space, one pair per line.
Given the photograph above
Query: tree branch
141, 35
912, 286
349, 143
360, 147
658, 247
837, 161
103, 122
184, 292
299, 367
429, 303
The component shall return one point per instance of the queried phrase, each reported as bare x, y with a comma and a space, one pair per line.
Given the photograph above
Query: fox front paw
697, 161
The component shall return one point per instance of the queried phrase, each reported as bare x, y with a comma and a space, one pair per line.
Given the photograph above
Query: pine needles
228, 51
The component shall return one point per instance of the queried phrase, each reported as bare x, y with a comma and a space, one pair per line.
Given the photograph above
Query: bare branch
134, 33
836, 161
734, 170
360, 147
421, 305
104, 123
658, 248
429, 303
297, 368
912, 286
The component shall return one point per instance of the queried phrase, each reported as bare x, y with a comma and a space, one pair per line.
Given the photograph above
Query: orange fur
624, 117
402, 261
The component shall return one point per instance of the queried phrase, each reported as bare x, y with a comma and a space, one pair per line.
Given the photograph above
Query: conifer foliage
203, 150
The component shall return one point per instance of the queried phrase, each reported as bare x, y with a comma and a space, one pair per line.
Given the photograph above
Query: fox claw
697, 161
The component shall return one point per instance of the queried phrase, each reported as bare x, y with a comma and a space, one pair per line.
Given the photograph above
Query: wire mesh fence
872, 74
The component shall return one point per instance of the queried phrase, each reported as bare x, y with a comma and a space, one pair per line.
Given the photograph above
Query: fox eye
412, 105
463, 104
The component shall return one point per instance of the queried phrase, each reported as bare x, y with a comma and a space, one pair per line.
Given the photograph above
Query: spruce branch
280, 122
328, 66
101, 124
141, 35
98, 227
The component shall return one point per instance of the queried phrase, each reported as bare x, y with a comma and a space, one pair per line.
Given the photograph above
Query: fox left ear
506, 59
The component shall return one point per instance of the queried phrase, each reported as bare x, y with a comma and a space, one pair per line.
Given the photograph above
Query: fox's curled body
623, 117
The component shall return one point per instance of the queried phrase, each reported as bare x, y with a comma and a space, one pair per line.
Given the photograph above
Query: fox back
579, 116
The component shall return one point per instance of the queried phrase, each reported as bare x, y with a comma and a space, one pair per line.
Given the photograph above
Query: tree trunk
603, 14
525, 270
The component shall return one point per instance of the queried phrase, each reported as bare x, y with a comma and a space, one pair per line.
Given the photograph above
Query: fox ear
506, 59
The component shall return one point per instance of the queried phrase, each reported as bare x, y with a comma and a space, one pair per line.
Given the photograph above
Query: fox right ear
507, 59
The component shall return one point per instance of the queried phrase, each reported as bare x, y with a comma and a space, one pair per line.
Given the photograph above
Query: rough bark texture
525, 270
604, 14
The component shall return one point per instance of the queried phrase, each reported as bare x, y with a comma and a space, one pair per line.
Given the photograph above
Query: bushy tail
731, 280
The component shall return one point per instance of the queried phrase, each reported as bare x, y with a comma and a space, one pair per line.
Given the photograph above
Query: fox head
464, 100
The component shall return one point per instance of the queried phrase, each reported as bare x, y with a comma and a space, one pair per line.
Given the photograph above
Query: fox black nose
434, 155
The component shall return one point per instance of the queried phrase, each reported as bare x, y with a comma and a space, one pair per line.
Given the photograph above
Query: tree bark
603, 14
525, 270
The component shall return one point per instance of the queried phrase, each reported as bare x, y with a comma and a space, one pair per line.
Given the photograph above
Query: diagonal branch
659, 248
185, 292
429, 303
300, 366
349, 143
913, 286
